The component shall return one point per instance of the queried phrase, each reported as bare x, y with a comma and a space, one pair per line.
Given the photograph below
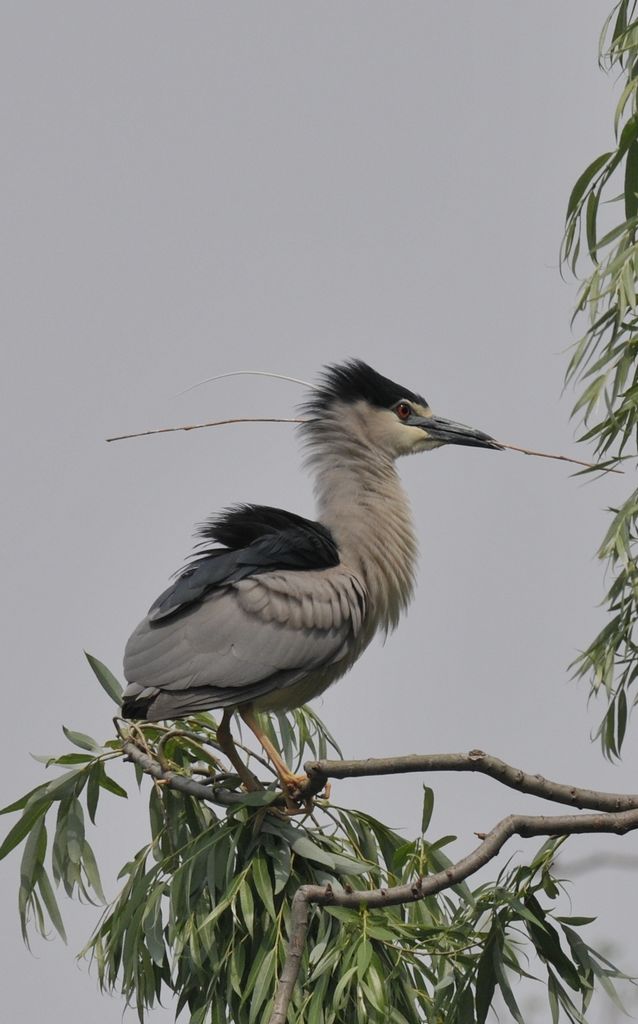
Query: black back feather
256, 539
240, 525
352, 381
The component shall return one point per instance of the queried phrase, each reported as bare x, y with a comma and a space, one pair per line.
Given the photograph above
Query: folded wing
244, 620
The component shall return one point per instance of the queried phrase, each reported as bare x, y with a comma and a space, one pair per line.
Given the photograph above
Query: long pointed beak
449, 432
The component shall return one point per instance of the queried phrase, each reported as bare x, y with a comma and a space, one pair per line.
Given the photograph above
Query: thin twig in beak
561, 458
283, 419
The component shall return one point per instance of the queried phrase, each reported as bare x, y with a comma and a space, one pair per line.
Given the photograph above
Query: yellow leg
288, 779
227, 744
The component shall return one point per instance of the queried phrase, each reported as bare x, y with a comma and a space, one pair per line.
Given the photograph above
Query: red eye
403, 410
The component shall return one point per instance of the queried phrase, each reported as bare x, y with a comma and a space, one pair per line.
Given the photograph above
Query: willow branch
525, 826
182, 783
619, 815
475, 761
319, 772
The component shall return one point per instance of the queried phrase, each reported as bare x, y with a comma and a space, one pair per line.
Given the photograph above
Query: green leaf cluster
52, 827
604, 362
203, 909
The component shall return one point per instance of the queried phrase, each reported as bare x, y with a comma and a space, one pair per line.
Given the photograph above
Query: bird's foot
293, 787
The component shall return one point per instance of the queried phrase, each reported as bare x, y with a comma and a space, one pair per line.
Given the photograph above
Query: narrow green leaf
628, 136
64, 759
264, 982
23, 827
263, 884
259, 953
584, 180
428, 807
485, 982
504, 985
621, 718
90, 866
227, 899
376, 931
364, 956
51, 904
21, 803
576, 921
552, 995
282, 866
80, 739
237, 964
33, 855
373, 990
93, 790
547, 943
610, 991
106, 782
342, 985
74, 831
247, 905
152, 926
316, 1007
106, 679
304, 847
70, 784
344, 914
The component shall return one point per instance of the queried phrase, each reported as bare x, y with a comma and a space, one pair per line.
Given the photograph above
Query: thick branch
516, 824
476, 761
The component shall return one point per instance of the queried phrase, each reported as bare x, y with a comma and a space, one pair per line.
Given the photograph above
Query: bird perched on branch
281, 606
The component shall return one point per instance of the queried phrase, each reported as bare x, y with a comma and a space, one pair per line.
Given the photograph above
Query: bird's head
355, 400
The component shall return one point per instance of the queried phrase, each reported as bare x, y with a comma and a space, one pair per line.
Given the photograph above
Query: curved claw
293, 789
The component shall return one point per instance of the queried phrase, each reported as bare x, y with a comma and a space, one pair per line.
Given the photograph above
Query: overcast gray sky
195, 188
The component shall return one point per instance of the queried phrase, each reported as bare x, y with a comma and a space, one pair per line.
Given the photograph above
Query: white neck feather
361, 500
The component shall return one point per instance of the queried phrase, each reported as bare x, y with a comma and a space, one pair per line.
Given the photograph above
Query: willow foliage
203, 907
600, 235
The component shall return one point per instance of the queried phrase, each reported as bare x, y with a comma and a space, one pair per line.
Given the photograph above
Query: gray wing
242, 641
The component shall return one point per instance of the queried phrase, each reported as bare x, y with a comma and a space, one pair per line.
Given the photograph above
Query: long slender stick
200, 426
283, 419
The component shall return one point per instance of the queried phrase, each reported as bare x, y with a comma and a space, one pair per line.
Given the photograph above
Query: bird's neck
361, 500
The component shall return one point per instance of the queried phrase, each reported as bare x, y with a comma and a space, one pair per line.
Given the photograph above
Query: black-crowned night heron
283, 606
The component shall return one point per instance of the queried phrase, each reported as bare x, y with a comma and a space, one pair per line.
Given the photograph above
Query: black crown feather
353, 381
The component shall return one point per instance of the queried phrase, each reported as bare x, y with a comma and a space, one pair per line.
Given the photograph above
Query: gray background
193, 188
